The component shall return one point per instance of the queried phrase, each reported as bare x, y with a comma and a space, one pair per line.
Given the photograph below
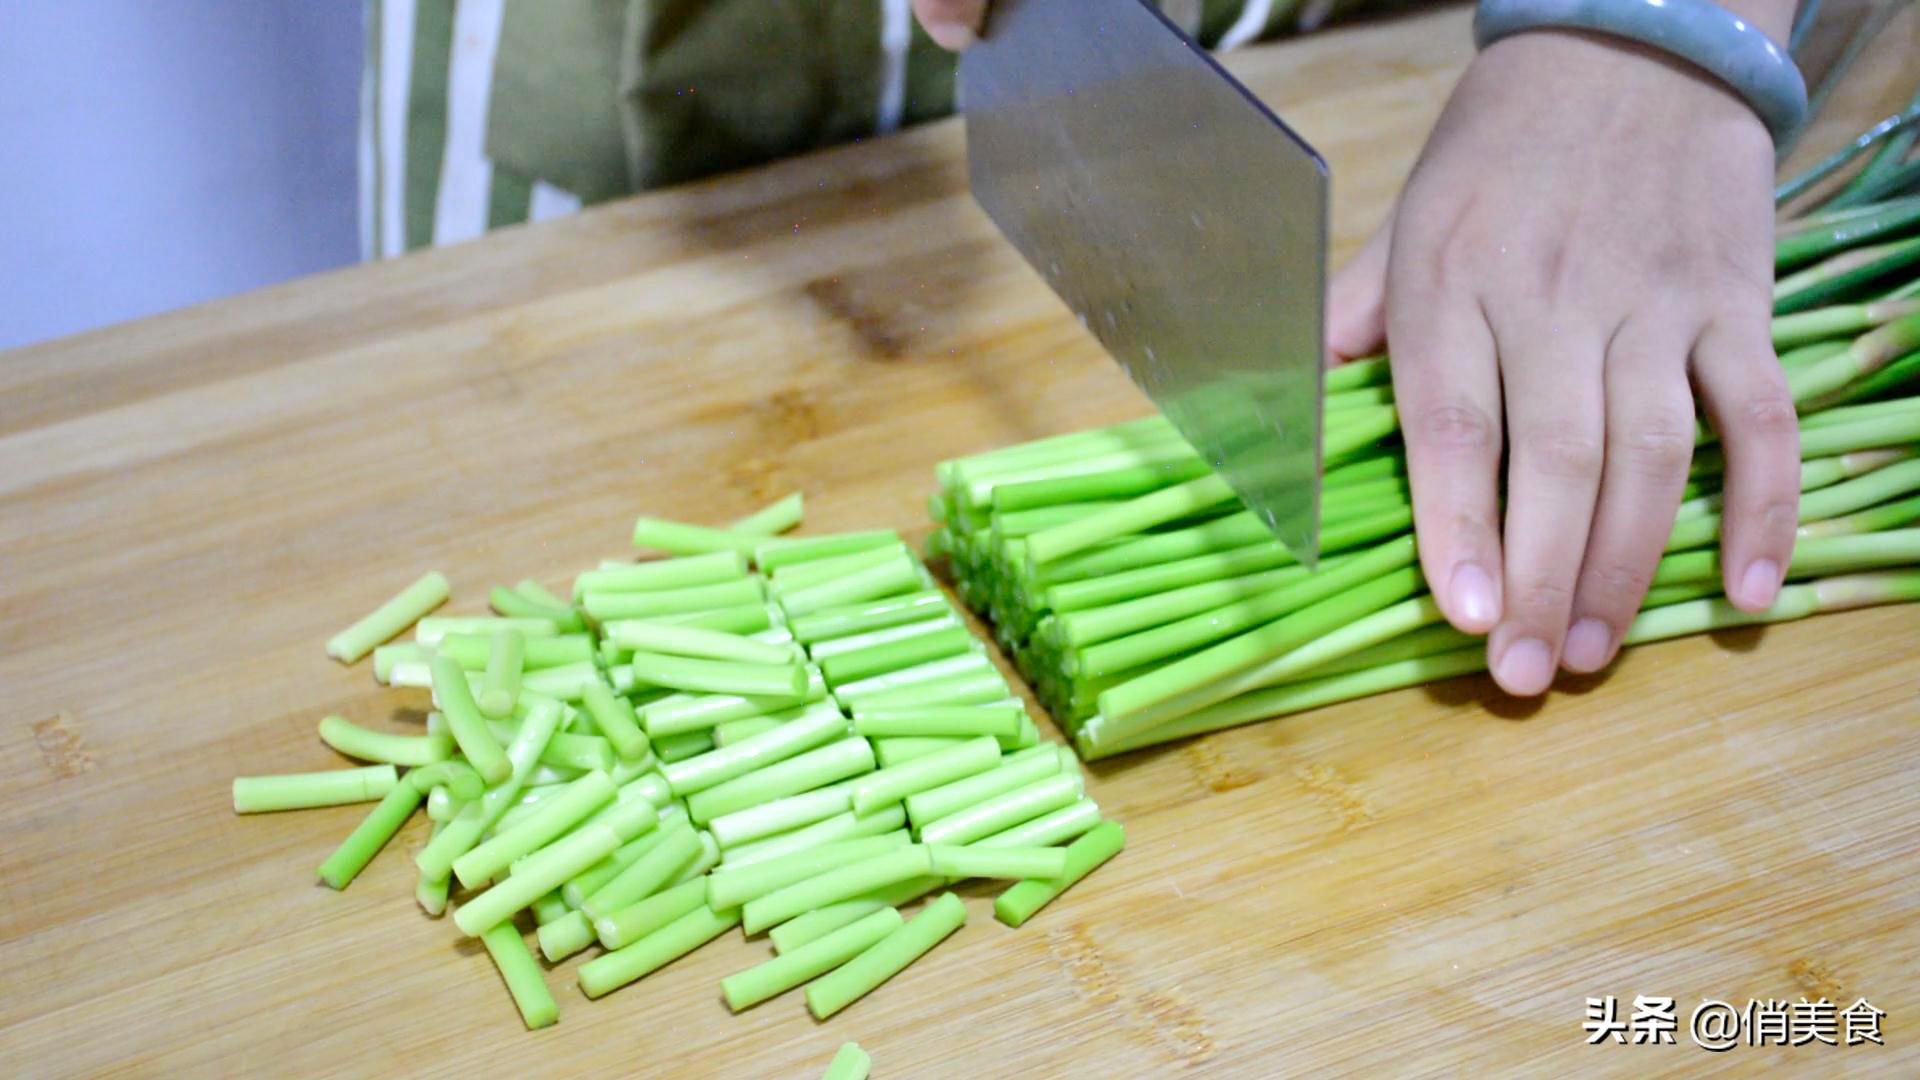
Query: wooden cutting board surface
1428, 882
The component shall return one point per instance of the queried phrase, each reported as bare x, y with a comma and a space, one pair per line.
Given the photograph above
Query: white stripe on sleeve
466, 176
1253, 19
550, 202
896, 37
396, 69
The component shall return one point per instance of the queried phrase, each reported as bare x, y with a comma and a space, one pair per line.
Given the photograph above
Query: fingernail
1526, 667
1761, 583
1589, 646
1472, 593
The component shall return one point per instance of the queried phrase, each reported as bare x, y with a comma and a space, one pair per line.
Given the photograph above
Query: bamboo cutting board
1431, 882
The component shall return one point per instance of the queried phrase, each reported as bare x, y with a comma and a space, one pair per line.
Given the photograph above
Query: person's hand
952, 24
1589, 226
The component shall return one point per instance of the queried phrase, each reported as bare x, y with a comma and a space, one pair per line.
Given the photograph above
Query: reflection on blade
1180, 220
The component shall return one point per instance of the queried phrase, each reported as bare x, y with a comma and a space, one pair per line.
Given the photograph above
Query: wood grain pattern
1425, 883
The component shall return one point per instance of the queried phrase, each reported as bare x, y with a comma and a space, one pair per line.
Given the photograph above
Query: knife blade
1182, 221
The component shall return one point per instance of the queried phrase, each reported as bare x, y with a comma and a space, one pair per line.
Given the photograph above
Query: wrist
1714, 38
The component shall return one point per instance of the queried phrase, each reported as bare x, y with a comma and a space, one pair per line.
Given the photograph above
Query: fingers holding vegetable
1649, 441
1747, 404
1556, 429
1447, 391
1357, 301
1547, 284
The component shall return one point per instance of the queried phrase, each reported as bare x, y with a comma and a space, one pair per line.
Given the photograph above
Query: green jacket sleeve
595, 99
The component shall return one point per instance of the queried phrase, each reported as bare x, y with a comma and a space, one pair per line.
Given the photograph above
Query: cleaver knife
1181, 221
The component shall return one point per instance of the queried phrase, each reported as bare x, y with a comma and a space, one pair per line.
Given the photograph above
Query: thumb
952, 24
1357, 301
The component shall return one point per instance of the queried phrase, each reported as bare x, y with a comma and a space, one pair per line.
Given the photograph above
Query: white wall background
155, 153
